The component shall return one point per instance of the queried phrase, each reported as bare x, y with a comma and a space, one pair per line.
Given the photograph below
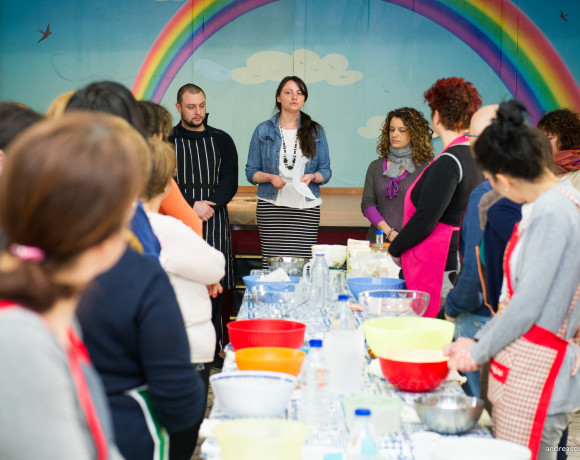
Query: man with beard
207, 175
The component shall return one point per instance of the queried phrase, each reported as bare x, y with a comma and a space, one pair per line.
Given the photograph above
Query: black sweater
439, 196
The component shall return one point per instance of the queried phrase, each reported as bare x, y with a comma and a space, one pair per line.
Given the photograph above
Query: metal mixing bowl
449, 414
291, 265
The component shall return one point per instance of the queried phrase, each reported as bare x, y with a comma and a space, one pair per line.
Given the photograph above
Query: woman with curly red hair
435, 203
404, 149
563, 130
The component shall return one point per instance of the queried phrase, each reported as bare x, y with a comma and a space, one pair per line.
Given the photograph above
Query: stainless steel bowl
291, 265
449, 414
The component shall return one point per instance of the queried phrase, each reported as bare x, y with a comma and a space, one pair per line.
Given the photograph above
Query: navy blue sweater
501, 219
134, 331
467, 296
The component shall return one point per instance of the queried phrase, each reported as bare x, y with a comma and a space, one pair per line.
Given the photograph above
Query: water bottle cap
315, 343
363, 412
379, 232
343, 298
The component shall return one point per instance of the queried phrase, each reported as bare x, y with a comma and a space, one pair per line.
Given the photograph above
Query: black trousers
216, 319
182, 443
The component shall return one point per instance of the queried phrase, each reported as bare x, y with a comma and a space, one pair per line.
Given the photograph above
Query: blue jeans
467, 325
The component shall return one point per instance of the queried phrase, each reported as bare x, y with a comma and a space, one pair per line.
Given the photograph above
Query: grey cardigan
41, 417
547, 275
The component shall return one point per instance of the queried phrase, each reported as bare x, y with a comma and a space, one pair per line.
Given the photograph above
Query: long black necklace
288, 165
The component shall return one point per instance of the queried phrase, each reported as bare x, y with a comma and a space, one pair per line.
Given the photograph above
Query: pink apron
522, 375
424, 264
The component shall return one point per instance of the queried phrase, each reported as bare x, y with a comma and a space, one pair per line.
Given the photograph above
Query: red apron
77, 356
424, 264
522, 375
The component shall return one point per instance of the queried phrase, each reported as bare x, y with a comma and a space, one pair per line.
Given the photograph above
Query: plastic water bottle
379, 245
319, 281
314, 400
344, 350
342, 318
362, 442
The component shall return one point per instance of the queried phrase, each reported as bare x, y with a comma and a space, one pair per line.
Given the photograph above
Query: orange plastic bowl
266, 333
414, 370
276, 359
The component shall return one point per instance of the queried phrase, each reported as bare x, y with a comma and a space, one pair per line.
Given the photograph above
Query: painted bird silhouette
45, 33
563, 16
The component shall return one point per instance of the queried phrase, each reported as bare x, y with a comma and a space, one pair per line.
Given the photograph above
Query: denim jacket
264, 155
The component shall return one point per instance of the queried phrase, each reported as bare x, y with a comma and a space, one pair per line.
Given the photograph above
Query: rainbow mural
186, 31
497, 30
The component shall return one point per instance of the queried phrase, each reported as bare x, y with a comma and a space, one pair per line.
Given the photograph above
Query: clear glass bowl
393, 302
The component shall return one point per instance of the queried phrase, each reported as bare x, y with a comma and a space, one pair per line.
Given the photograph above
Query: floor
573, 434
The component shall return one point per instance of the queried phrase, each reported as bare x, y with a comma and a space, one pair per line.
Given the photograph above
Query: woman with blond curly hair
404, 150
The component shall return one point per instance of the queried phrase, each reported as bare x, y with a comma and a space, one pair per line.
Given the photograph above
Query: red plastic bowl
414, 370
266, 333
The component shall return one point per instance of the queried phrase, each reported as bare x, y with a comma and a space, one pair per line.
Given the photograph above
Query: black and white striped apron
198, 174
286, 231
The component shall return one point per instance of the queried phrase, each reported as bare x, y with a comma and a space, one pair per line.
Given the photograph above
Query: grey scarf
399, 158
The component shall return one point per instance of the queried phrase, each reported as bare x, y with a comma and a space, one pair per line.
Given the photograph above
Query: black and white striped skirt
286, 231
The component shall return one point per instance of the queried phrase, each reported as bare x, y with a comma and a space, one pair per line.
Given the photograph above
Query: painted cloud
373, 127
275, 65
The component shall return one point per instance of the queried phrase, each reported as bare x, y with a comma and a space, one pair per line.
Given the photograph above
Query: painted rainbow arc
186, 31
497, 30
511, 44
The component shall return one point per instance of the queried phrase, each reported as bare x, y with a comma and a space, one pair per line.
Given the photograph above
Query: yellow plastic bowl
261, 439
383, 334
276, 359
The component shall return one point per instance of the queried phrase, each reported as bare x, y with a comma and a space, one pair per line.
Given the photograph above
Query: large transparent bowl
391, 333
449, 414
261, 439
393, 302
274, 300
253, 393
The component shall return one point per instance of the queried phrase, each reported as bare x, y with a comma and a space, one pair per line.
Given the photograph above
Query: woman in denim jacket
289, 160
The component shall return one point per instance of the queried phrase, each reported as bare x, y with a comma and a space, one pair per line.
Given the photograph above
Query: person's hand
392, 236
449, 318
397, 261
214, 289
307, 178
459, 353
203, 209
277, 181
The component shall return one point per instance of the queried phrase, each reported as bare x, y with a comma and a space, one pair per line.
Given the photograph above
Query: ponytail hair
510, 146
308, 129
67, 186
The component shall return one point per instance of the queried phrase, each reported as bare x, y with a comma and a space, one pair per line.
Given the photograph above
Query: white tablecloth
397, 445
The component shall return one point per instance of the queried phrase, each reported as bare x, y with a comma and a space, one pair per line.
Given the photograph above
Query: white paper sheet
301, 187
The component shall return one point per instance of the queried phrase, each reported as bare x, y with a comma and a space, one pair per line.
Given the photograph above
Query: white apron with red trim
522, 375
